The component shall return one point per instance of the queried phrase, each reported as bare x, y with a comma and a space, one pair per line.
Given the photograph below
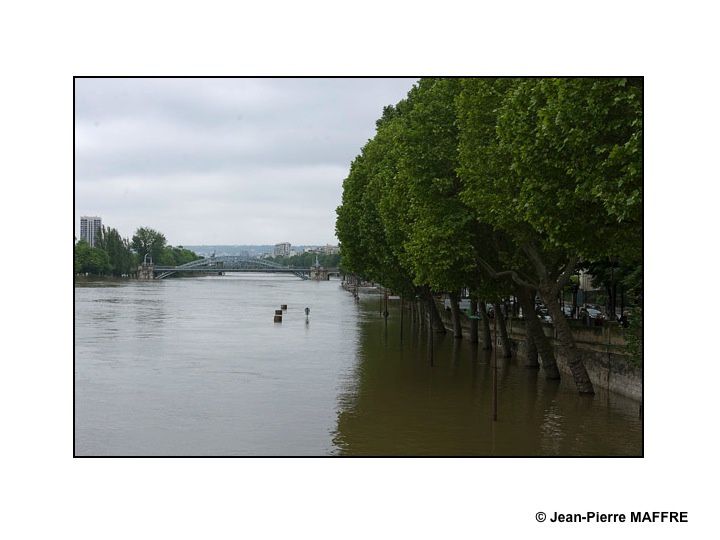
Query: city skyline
222, 161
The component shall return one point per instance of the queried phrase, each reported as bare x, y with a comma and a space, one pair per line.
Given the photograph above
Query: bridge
219, 265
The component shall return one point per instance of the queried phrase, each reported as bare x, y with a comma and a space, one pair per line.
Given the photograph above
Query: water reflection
411, 399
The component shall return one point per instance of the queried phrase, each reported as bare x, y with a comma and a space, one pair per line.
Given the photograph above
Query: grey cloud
223, 160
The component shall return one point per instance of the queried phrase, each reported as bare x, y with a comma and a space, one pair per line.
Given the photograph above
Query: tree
366, 248
176, 256
558, 172
120, 257
148, 241
90, 260
439, 243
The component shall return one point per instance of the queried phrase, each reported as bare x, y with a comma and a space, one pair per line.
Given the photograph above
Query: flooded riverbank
196, 366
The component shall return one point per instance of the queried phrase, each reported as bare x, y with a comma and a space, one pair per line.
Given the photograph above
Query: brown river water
196, 367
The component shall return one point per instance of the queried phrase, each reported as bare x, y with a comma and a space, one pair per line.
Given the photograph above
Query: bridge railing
230, 264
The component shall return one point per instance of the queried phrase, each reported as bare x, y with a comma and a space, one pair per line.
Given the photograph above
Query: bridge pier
146, 271
318, 273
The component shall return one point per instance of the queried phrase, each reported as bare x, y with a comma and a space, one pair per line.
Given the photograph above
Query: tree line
505, 187
307, 259
114, 255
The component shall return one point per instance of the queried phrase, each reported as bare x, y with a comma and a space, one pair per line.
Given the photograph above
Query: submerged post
494, 380
307, 315
430, 332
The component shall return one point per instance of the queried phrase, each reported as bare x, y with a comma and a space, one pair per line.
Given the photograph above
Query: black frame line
642, 401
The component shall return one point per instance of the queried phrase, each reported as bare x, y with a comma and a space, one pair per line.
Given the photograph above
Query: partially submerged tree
560, 177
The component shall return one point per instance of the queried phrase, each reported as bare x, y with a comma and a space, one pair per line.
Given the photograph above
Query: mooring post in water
494, 380
283, 307
307, 315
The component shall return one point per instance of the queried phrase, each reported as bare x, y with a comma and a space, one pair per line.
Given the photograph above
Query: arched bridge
215, 265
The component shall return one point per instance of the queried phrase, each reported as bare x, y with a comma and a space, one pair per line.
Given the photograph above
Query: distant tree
118, 250
176, 256
307, 259
90, 260
147, 240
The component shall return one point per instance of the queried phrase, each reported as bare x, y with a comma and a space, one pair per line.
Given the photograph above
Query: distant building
282, 249
89, 228
331, 250
586, 283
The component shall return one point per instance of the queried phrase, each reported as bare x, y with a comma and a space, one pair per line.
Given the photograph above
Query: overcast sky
222, 161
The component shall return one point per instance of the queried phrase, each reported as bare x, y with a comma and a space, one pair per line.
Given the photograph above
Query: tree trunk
567, 342
455, 312
574, 302
487, 338
614, 302
435, 319
531, 356
473, 321
526, 297
504, 339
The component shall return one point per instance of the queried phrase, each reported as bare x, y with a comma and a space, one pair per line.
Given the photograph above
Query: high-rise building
89, 229
282, 249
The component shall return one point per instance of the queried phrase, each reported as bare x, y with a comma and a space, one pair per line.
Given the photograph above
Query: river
196, 366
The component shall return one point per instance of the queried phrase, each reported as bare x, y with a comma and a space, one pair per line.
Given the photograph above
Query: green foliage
564, 166
634, 335
521, 175
148, 241
120, 257
114, 255
440, 240
90, 260
370, 223
175, 256
306, 260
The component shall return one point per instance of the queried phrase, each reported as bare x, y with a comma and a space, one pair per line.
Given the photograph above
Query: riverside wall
601, 349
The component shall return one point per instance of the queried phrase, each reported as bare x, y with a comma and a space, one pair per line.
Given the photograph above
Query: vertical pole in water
402, 308
494, 381
430, 330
